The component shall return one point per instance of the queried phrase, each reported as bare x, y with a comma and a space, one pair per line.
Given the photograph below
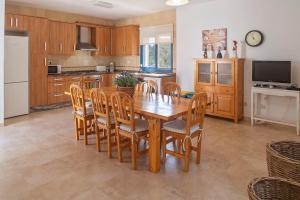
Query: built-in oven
54, 69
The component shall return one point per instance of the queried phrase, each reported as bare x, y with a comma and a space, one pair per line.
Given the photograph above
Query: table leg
154, 145
252, 108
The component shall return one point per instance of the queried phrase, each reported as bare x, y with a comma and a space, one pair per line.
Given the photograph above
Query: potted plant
126, 82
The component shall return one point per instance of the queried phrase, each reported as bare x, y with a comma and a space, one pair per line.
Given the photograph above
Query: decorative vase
128, 90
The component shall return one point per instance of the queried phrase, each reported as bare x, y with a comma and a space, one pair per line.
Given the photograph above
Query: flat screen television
271, 71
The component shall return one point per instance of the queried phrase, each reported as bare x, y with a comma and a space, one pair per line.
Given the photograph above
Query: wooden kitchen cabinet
16, 22
223, 81
107, 80
57, 86
38, 42
125, 41
103, 41
62, 38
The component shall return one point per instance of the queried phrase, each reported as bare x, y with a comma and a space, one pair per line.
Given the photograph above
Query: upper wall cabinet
16, 22
126, 41
62, 38
103, 41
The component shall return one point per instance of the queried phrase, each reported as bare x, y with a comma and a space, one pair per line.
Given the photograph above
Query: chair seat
89, 111
88, 104
140, 126
179, 126
103, 120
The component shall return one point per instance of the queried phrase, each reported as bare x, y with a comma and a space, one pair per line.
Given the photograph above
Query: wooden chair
185, 131
172, 89
90, 82
151, 87
103, 119
128, 126
140, 88
83, 113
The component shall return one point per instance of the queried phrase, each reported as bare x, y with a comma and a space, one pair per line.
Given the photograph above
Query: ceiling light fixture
103, 4
177, 2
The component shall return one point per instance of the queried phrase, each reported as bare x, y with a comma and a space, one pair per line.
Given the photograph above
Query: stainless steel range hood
84, 40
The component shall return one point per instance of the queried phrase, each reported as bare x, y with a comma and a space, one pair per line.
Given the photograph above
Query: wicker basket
284, 160
273, 188
128, 90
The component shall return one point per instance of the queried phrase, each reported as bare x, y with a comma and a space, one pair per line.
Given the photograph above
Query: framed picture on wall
214, 39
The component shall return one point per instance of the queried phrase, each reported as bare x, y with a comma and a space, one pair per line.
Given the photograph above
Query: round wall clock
254, 38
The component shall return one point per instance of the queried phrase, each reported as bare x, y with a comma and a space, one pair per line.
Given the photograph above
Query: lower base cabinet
57, 86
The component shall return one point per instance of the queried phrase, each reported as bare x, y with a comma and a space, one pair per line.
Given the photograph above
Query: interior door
224, 104
224, 73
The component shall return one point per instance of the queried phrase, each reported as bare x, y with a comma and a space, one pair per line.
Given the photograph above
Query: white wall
2, 4
277, 19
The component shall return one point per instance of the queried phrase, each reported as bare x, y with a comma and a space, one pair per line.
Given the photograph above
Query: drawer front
55, 79
59, 87
74, 78
204, 88
56, 98
224, 90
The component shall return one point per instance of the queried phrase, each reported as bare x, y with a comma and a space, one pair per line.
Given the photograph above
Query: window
157, 48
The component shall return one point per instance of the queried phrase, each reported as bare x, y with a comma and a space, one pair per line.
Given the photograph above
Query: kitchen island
59, 83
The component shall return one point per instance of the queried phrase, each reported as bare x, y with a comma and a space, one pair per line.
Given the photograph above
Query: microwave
54, 69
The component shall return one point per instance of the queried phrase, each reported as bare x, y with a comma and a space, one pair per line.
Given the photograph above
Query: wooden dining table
157, 109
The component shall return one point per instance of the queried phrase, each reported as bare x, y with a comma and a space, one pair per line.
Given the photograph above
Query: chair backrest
172, 89
89, 82
152, 87
122, 106
196, 111
77, 96
100, 104
140, 88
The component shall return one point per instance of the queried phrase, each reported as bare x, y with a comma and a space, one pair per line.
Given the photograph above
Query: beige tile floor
40, 159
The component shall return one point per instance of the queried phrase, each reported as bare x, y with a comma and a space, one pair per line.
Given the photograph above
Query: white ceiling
121, 9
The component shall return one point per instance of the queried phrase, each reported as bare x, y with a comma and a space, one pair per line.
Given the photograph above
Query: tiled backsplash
80, 58
83, 60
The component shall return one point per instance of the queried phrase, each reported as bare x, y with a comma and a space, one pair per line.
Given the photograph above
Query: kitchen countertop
92, 72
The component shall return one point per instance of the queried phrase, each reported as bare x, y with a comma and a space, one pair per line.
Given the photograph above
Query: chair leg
187, 154
119, 146
179, 141
77, 128
97, 138
174, 144
109, 149
199, 150
133, 153
85, 132
164, 146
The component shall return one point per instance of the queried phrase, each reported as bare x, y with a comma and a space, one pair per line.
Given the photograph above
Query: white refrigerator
16, 75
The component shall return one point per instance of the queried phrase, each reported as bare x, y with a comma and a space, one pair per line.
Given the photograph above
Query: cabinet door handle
58, 84
58, 95
58, 79
17, 22
45, 61
11, 22
45, 45
60, 47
